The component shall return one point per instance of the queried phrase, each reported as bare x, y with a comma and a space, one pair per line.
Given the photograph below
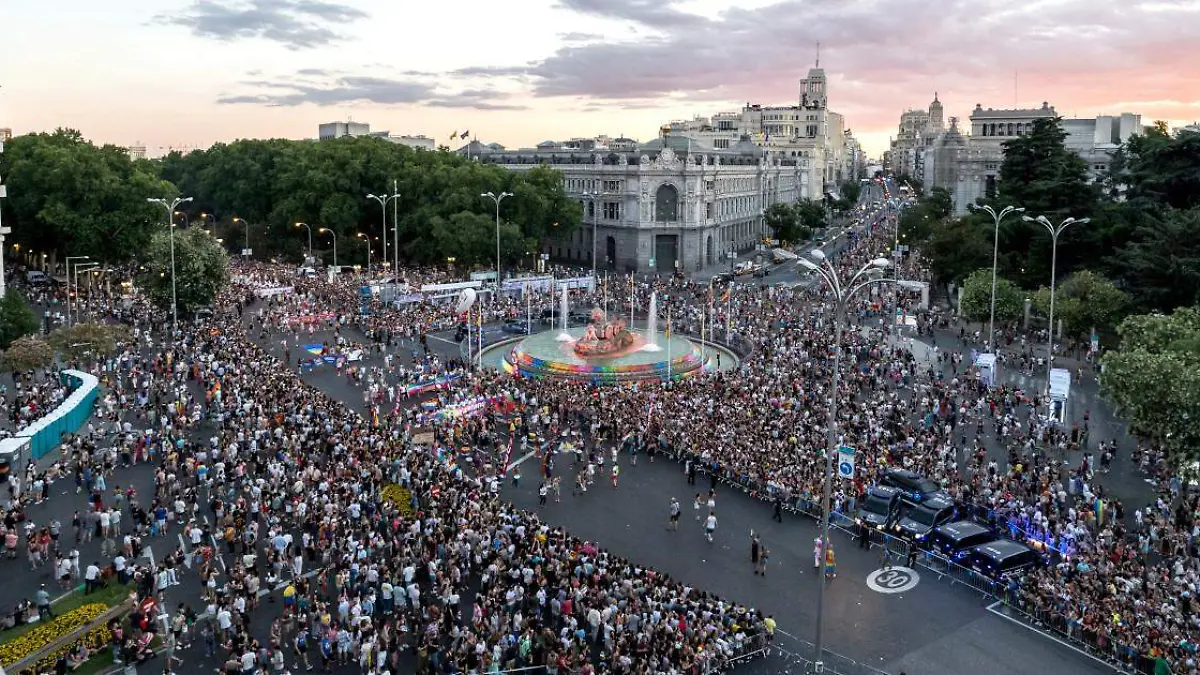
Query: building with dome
674, 203
917, 132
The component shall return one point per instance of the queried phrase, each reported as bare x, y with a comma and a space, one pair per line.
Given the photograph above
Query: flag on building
455, 135
464, 135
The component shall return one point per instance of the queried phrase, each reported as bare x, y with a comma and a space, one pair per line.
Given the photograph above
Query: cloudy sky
191, 72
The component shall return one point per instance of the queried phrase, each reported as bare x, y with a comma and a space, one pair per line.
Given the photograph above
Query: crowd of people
255, 466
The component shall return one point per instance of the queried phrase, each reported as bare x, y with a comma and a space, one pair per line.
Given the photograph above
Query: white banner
435, 288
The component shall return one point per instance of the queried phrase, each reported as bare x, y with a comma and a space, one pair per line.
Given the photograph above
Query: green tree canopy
201, 269
1161, 265
1083, 301
272, 184
977, 297
27, 353
786, 223
69, 196
81, 339
1154, 379
16, 318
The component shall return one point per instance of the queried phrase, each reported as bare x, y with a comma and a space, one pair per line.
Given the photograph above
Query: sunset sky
189, 73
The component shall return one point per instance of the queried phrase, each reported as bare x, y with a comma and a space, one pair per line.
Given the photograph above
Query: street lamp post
333, 235
997, 218
246, 252
1054, 231
497, 198
591, 197
170, 207
81, 266
69, 259
867, 275
367, 239
383, 202
309, 237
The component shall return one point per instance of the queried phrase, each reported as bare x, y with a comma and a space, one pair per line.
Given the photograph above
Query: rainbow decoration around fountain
545, 355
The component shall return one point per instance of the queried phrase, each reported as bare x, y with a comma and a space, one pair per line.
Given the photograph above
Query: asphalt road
934, 629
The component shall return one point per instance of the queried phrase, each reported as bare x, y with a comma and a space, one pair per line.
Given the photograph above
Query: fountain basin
544, 355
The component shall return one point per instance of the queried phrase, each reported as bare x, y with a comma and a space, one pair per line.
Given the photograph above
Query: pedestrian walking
542, 492
817, 546
830, 563
761, 567
673, 521
710, 524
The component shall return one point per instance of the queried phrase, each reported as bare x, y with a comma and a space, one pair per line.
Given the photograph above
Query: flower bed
400, 496
30, 642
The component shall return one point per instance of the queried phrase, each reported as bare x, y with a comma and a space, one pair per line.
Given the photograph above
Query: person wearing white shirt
91, 578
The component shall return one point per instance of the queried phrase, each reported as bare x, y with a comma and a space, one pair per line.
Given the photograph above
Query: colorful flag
725, 295
464, 135
454, 135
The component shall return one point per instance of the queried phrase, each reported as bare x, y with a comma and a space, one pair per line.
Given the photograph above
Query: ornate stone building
672, 203
808, 133
917, 133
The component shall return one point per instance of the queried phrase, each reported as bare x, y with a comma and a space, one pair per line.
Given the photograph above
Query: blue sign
845, 462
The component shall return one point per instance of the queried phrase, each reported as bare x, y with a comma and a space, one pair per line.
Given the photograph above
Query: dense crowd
298, 488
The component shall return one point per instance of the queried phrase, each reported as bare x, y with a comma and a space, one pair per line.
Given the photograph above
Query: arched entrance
666, 204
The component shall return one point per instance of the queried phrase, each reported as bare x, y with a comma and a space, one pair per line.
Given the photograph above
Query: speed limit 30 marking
893, 580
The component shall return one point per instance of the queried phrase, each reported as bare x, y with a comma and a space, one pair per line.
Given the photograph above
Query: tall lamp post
843, 292
82, 266
497, 198
367, 239
332, 235
591, 198
69, 259
170, 207
997, 218
246, 251
1054, 230
383, 202
305, 225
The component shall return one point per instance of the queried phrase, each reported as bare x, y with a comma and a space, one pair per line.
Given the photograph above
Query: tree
811, 215
16, 318
79, 340
1161, 265
977, 297
1045, 177
1157, 168
69, 196
28, 353
1084, 301
1154, 379
201, 270
275, 183
784, 222
956, 248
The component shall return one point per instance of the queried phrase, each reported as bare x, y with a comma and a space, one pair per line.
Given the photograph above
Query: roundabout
577, 354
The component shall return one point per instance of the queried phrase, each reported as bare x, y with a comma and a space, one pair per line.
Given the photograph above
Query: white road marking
521, 459
992, 608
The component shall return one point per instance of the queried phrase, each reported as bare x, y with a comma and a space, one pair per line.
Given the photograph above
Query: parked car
917, 521
916, 488
1003, 558
880, 508
955, 540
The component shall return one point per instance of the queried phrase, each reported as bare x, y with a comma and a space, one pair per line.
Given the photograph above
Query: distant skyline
188, 73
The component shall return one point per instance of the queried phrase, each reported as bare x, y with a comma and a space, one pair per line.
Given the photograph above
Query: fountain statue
564, 321
652, 326
603, 337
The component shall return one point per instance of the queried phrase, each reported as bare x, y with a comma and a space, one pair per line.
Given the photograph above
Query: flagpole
728, 312
633, 300
668, 344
